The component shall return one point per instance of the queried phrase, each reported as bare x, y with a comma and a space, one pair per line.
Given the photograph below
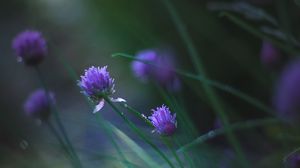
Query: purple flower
164, 122
30, 47
293, 161
270, 56
96, 84
218, 123
287, 95
158, 67
37, 104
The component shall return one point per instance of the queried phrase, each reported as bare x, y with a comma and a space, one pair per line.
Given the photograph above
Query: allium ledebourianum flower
96, 84
30, 47
164, 122
158, 67
38, 104
287, 95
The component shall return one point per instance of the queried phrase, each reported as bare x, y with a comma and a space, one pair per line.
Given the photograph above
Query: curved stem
137, 131
100, 120
60, 140
168, 143
226, 88
234, 127
138, 114
108, 131
259, 34
57, 118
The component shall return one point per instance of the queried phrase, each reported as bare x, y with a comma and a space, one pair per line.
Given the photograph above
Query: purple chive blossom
164, 122
270, 55
293, 161
37, 104
30, 47
158, 67
96, 83
287, 95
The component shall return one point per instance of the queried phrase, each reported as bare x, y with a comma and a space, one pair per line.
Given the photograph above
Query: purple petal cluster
30, 47
96, 82
37, 104
156, 66
142, 70
270, 56
287, 94
164, 122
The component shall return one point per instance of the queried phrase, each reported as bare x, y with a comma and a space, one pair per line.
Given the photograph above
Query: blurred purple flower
157, 66
287, 95
164, 122
30, 47
96, 84
218, 123
293, 161
37, 104
270, 55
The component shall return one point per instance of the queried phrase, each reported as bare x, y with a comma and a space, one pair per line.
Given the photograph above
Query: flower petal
118, 100
99, 106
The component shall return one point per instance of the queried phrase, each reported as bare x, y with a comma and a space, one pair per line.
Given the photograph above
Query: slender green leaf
226, 88
134, 147
234, 127
259, 34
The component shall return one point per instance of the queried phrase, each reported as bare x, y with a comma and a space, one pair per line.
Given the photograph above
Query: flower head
158, 67
143, 70
30, 47
270, 56
164, 122
287, 95
37, 104
96, 84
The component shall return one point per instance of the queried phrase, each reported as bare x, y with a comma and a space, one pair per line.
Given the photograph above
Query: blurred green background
88, 32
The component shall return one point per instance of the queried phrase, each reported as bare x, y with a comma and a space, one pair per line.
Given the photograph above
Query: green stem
234, 127
138, 114
57, 118
168, 143
186, 156
285, 159
60, 140
137, 131
210, 93
173, 103
100, 120
108, 131
226, 88
259, 34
